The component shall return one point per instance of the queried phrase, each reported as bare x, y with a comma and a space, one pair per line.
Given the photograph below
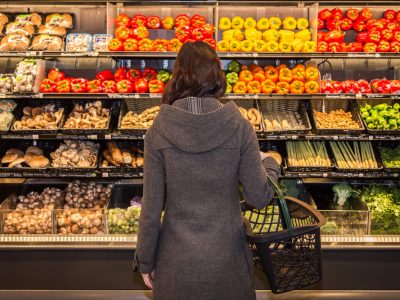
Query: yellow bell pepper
251, 34
275, 23
234, 46
263, 24
286, 36
237, 22
223, 46
272, 46
289, 23
304, 35
302, 23
259, 46
310, 46
270, 35
297, 45
285, 47
225, 23
246, 45
227, 35
238, 35
250, 23
259, 35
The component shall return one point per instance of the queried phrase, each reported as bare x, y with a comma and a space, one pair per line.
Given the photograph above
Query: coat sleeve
253, 172
152, 206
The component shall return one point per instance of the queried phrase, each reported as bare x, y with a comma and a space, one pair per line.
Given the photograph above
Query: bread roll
38, 162
34, 150
63, 20
47, 42
126, 157
19, 28
52, 30
32, 19
16, 163
8, 158
109, 158
14, 42
3, 19
115, 152
139, 161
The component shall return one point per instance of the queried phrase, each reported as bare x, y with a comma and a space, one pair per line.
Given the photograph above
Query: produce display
143, 120
335, 119
372, 35
121, 81
382, 116
124, 221
46, 199
390, 156
307, 154
132, 34
75, 154
362, 86
23, 79
80, 221
253, 116
383, 203
265, 35
35, 221
354, 155
254, 79
117, 156
79, 194
90, 116
281, 121
33, 157
41, 117
6, 114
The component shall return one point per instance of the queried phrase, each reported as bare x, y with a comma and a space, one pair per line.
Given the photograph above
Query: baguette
115, 152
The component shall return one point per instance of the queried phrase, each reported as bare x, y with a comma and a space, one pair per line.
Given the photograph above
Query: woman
196, 153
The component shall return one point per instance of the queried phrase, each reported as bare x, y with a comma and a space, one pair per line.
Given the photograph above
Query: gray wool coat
193, 166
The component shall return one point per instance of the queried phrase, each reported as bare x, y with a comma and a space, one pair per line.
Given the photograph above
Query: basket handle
282, 203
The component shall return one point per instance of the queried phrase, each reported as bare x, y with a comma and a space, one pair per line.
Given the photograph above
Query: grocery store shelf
367, 241
361, 174
72, 173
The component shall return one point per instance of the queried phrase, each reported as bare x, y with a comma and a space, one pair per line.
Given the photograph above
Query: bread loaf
114, 151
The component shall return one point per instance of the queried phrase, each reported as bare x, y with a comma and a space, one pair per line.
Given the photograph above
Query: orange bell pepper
260, 77
244, 67
246, 76
281, 66
272, 73
312, 87
300, 66
254, 87
312, 73
254, 68
267, 86
297, 87
282, 87
285, 75
298, 73
240, 87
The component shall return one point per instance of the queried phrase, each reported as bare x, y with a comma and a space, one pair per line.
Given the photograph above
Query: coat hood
196, 133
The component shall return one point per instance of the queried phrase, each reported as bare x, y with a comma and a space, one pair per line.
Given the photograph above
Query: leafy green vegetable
341, 192
390, 156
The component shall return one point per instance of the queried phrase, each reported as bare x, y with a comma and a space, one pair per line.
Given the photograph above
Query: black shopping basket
286, 242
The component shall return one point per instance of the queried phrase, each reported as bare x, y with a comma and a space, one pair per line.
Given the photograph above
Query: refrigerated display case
356, 255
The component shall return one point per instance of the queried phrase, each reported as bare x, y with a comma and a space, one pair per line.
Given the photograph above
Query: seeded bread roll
47, 42
14, 42
20, 28
63, 20
32, 19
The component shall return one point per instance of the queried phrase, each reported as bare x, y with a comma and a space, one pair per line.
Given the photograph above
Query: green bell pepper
234, 66
164, 75
232, 78
228, 88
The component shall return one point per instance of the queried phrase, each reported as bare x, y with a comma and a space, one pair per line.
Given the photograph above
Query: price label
335, 137
332, 96
358, 96
93, 53
256, 96
371, 137
155, 95
108, 136
92, 137
360, 175
112, 96
104, 174
136, 96
294, 137
35, 136
325, 175
255, 54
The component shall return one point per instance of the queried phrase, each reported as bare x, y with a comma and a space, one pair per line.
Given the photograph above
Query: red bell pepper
63, 86
389, 14
395, 86
125, 86
332, 24
130, 45
109, 86
149, 74
320, 24
373, 36
209, 28
182, 33
395, 46
362, 37
384, 86
94, 86
350, 87
160, 45
383, 46
372, 24
145, 45
105, 75
365, 14
370, 47
153, 22
397, 18
320, 36
199, 34
391, 25
322, 46
168, 23
174, 45
343, 47
211, 42
386, 35
122, 33
334, 47
115, 45
396, 36
122, 20
79, 85
141, 86
338, 86
355, 47
198, 21
138, 20
359, 25
346, 24
133, 74
55, 75
140, 33
182, 20
334, 36
324, 14
120, 74
48, 86
156, 86
364, 86
352, 14
381, 24
327, 87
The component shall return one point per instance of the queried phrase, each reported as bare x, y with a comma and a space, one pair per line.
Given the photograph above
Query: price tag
335, 137
35, 136
358, 96
294, 137
136, 96
371, 137
93, 53
255, 54
256, 96
360, 175
92, 137
155, 95
104, 174
144, 136
325, 175
112, 96
108, 137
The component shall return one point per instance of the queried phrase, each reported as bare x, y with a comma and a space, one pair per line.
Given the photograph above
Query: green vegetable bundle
355, 155
382, 116
390, 156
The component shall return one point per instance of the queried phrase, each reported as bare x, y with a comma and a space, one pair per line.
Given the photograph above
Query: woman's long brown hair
197, 73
